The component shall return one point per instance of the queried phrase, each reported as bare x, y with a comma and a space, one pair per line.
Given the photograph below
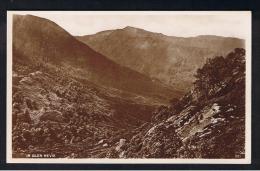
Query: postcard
129, 87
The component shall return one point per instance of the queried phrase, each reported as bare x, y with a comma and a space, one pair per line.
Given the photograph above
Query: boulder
52, 115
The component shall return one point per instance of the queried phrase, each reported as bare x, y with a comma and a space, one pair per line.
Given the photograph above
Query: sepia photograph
129, 87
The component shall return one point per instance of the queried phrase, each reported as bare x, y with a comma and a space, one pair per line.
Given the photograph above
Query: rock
120, 144
52, 115
26, 80
101, 141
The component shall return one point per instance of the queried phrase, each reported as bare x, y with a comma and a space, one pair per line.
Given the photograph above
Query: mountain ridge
172, 60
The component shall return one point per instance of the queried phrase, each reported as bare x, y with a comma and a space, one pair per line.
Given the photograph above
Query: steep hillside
37, 40
172, 60
56, 112
205, 123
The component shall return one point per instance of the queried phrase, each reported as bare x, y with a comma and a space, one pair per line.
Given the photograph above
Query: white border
247, 159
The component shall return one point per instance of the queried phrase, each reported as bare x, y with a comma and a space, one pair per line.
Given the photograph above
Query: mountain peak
140, 31
133, 29
130, 28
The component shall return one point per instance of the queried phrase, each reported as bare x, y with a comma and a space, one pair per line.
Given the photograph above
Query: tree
211, 76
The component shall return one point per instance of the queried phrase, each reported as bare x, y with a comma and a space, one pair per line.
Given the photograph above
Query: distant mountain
172, 60
37, 40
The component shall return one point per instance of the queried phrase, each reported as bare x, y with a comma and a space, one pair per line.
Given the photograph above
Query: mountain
39, 41
172, 60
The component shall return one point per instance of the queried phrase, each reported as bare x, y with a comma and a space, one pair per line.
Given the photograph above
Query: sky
182, 24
